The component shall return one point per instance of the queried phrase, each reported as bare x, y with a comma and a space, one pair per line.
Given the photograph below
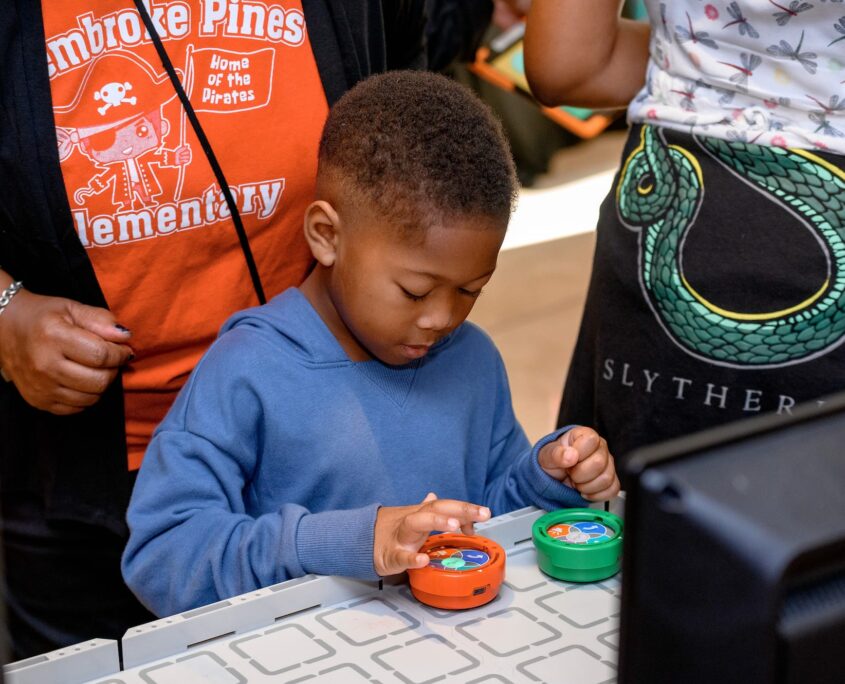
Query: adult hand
60, 354
580, 459
401, 530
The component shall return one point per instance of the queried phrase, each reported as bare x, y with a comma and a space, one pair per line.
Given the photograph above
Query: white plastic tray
329, 629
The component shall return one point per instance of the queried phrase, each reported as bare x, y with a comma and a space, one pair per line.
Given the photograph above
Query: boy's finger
431, 496
605, 494
418, 525
464, 511
411, 559
402, 559
553, 458
584, 440
590, 468
558, 456
600, 480
566, 457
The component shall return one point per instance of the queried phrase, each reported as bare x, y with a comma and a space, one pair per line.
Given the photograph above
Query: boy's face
392, 297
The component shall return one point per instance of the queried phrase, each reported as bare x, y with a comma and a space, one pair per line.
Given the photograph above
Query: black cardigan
77, 464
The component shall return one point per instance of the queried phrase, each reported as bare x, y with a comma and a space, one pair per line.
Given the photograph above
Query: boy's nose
438, 317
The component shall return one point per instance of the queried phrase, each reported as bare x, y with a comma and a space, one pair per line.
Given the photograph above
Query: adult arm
584, 54
61, 355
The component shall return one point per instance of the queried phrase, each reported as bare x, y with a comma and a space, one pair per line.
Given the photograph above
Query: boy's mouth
415, 351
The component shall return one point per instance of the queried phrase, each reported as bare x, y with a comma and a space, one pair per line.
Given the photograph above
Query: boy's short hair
416, 147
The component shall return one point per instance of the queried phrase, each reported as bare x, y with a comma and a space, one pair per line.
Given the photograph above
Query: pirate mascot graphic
115, 119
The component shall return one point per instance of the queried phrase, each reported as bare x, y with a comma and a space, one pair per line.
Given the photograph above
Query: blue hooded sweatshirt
278, 451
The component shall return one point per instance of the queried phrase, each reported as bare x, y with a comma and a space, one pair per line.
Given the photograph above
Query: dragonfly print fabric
770, 72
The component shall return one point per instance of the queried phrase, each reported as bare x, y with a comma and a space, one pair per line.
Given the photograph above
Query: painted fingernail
484, 512
122, 328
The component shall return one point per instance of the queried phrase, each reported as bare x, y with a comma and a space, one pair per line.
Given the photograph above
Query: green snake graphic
658, 195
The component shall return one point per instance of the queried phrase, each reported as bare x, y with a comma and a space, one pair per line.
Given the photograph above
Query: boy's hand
401, 530
579, 458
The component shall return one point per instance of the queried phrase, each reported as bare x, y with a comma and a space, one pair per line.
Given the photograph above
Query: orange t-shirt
144, 199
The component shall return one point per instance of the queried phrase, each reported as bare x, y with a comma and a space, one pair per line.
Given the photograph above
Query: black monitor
734, 555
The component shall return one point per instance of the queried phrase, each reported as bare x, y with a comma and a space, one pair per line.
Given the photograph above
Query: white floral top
764, 71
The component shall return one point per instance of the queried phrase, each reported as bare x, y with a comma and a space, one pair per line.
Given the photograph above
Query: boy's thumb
570, 456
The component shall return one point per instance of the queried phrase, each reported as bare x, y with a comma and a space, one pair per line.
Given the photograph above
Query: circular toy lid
581, 532
458, 565
578, 544
458, 559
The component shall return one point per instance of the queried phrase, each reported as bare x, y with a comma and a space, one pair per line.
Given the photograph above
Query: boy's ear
322, 226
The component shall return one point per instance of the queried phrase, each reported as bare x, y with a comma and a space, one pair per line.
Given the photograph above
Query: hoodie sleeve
192, 541
515, 478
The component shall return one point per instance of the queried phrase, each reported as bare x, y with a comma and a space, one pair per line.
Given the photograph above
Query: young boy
306, 434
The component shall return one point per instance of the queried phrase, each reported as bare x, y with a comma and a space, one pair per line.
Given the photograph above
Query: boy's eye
470, 293
411, 295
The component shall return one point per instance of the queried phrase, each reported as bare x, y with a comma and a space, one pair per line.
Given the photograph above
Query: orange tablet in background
463, 572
